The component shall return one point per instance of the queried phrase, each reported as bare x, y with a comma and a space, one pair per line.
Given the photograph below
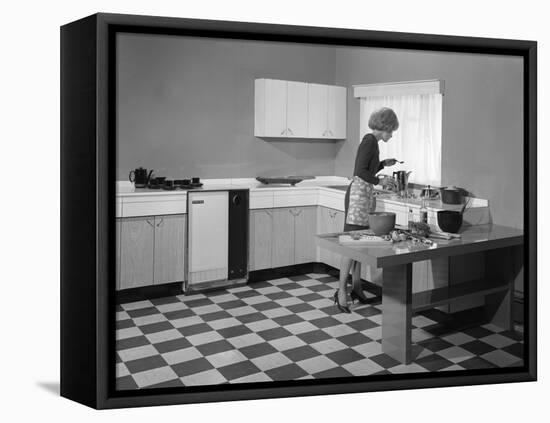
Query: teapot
402, 179
141, 177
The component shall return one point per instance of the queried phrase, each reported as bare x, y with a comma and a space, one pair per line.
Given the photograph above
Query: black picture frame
88, 206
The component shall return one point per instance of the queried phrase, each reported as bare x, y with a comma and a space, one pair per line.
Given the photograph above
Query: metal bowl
381, 223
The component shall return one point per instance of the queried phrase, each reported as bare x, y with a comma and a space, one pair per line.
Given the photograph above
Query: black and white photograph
245, 211
290, 211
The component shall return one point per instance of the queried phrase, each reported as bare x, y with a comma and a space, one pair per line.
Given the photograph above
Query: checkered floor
284, 329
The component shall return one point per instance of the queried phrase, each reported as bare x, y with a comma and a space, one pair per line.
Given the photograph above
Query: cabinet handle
290, 130
161, 222
298, 212
283, 131
149, 222
325, 133
268, 212
332, 213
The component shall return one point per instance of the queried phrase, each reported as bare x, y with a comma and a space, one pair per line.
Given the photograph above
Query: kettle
402, 179
141, 177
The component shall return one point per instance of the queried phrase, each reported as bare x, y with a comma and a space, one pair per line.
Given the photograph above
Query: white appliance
208, 236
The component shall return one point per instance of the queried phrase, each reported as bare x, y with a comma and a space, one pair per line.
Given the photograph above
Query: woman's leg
356, 277
345, 266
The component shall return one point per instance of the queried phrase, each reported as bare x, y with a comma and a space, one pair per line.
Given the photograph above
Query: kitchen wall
482, 140
186, 107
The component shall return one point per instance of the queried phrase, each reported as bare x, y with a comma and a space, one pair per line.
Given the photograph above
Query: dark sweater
367, 161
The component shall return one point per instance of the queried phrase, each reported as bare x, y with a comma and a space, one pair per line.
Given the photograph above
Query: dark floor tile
438, 329
172, 345
354, 339
516, 349
118, 307
325, 322
147, 363
515, 335
233, 331
384, 360
140, 312
174, 383
435, 315
165, 300
257, 350
238, 370
313, 336
199, 302
191, 367
195, 329
330, 310
289, 372
299, 308
278, 295
301, 353
124, 324
334, 372
136, 341
215, 347
477, 347
476, 363
435, 344
117, 358
287, 320
326, 279
433, 362
367, 311
251, 317
179, 314
268, 305
477, 332
125, 382
310, 297
320, 288
228, 305
363, 324
345, 356
260, 284
289, 286
217, 315
156, 327
299, 278
246, 294
274, 333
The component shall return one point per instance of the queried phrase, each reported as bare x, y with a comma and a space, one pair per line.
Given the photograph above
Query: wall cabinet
280, 108
326, 111
150, 250
289, 109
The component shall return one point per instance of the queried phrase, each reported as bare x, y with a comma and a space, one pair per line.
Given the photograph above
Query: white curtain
417, 141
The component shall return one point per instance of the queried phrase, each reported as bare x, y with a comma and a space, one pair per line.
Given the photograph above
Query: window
417, 142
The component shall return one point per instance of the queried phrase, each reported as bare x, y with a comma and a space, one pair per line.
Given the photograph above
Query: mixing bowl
381, 223
449, 220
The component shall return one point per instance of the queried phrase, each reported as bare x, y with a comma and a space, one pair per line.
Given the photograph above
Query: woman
360, 200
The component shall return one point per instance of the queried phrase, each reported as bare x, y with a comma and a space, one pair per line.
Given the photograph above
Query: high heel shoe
343, 309
359, 297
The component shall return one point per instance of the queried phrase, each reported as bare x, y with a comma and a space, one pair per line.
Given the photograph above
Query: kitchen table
503, 250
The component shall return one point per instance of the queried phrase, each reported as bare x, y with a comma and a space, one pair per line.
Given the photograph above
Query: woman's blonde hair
384, 119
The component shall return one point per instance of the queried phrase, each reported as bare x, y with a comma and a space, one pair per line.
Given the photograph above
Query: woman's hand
387, 182
389, 162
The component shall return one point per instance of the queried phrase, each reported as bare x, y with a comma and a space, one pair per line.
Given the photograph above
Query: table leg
397, 312
503, 265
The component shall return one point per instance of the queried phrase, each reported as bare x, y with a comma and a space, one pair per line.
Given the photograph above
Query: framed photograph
258, 211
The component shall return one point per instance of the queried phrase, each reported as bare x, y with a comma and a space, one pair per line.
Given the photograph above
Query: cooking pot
452, 195
449, 220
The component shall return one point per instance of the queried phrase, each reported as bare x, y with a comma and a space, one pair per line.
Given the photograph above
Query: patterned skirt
360, 201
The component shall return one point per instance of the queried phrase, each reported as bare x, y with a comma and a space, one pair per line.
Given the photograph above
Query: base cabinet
305, 228
150, 250
260, 244
329, 221
283, 237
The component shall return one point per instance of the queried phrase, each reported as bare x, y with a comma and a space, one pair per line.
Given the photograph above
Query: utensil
402, 180
140, 177
381, 223
449, 220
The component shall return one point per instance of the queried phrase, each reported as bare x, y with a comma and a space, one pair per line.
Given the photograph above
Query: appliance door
208, 236
238, 233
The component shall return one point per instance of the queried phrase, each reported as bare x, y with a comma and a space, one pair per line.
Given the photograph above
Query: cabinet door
275, 111
296, 112
261, 239
336, 225
305, 228
323, 226
282, 253
169, 248
317, 110
136, 252
337, 103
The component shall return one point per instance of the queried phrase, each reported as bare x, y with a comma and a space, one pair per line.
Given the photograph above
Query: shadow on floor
51, 387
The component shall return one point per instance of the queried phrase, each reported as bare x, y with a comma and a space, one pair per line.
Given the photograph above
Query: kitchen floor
284, 329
